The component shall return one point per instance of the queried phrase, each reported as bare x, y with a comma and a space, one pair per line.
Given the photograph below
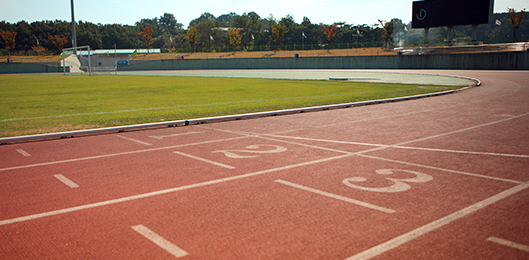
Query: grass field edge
180, 123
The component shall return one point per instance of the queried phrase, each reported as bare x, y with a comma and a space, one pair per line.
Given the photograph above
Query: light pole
74, 36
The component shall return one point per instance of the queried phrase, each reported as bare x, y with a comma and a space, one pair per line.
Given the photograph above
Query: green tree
168, 33
24, 35
388, 31
278, 31
314, 33
226, 20
250, 27
290, 29
123, 36
192, 37
89, 34
208, 33
203, 17
169, 24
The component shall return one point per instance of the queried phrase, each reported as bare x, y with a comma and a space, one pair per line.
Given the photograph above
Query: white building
105, 60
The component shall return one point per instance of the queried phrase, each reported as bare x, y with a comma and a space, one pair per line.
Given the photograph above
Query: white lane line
325, 140
66, 181
206, 160
338, 197
117, 154
361, 153
160, 192
160, 241
463, 152
134, 140
395, 242
301, 144
160, 137
508, 243
462, 130
402, 114
398, 146
442, 169
26, 154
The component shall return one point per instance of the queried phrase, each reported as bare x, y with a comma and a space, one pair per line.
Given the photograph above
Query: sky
130, 11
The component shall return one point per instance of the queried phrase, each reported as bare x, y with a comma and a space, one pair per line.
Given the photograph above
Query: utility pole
74, 36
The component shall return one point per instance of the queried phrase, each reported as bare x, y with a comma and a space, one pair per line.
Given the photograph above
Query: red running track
433, 178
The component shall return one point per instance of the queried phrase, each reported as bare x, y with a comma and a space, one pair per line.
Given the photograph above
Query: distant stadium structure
104, 59
440, 13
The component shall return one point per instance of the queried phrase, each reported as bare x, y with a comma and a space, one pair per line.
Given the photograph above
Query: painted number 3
398, 184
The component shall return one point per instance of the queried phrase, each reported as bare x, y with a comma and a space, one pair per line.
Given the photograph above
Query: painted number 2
253, 149
398, 184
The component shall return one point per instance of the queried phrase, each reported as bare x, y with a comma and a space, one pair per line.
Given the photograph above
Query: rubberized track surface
434, 178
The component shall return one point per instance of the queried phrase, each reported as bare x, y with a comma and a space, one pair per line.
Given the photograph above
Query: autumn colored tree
191, 37
146, 36
278, 31
330, 31
516, 20
9, 38
388, 27
59, 40
235, 37
38, 49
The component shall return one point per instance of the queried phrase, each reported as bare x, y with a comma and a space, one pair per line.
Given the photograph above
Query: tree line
245, 31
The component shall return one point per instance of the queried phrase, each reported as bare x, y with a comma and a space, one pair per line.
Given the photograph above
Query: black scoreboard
440, 13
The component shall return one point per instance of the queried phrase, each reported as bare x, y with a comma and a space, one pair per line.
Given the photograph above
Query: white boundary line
205, 160
518, 87
361, 153
116, 154
66, 181
338, 197
463, 129
463, 152
274, 137
326, 141
133, 140
379, 249
442, 169
24, 153
160, 241
396, 146
508, 243
402, 239
161, 192
160, 137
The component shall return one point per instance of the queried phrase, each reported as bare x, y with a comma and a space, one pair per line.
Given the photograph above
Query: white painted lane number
398, 186
253, 151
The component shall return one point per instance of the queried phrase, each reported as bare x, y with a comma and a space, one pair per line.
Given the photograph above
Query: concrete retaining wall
477, 61
29, 68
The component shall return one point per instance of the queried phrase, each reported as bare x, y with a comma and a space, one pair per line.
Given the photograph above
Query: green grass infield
37, 104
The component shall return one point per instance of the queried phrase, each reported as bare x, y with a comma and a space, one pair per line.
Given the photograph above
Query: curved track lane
435, 178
